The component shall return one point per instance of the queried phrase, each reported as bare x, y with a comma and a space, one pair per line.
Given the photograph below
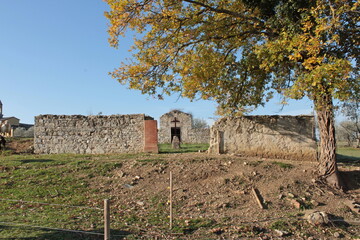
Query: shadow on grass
61, 235
348, 160
35, 160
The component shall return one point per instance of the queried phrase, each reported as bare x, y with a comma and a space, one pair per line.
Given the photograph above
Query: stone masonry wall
201, 135
288, 137
89, 134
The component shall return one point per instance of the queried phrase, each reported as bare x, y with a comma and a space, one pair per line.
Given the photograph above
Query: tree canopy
239, 52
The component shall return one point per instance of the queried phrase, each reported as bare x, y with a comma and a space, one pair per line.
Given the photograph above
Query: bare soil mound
213, 197
20, 145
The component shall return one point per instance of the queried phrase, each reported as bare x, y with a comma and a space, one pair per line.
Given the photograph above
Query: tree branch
221, 10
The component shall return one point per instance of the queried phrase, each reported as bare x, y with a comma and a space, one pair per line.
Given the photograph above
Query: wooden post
171, 190
258, 198
106, 219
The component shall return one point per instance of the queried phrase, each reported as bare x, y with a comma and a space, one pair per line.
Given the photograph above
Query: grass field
68, 179
167, 148
348, 155
57, 179
62, 179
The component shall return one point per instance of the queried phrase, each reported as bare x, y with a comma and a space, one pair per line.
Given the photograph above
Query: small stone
313, 180
281, 196
254, 173
245, 163
291, 195
217, 231
310, 238
281, 233
337, 235
295, 203
128, 186
317, 218
314, 203
140, 203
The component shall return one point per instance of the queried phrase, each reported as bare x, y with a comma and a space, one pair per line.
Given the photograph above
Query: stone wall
89, 134
185, 123
201, 135
288, 137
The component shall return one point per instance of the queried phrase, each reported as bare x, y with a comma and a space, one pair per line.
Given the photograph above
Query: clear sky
55, 59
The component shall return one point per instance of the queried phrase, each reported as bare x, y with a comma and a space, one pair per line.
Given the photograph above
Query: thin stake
258, 198
106, 219
171, 190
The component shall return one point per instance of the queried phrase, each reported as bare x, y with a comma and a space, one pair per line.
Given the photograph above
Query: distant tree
348, 131
23, 132
351, 110
239, 52
199, 123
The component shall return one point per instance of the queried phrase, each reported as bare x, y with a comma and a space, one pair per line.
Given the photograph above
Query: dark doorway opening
175, 131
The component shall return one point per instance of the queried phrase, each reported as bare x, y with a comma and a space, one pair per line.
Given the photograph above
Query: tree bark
328, 169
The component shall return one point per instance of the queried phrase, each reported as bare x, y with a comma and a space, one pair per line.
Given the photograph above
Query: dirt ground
20, 146
213, 197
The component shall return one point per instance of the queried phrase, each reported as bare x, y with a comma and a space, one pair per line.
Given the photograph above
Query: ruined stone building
287, 137
132, 133
180, 124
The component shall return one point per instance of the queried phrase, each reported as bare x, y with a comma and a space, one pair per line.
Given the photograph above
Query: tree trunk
328, 169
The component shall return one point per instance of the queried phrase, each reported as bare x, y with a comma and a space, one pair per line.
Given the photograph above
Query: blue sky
55, 59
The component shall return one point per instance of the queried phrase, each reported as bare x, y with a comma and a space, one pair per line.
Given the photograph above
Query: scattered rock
129, 186
281, 233
281, 196
337, 235
317, 217
217, 231
353, 205
137, 178
291, 195
314, 203
224, 205
121, 174
140, 203
295, 203
245, 163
